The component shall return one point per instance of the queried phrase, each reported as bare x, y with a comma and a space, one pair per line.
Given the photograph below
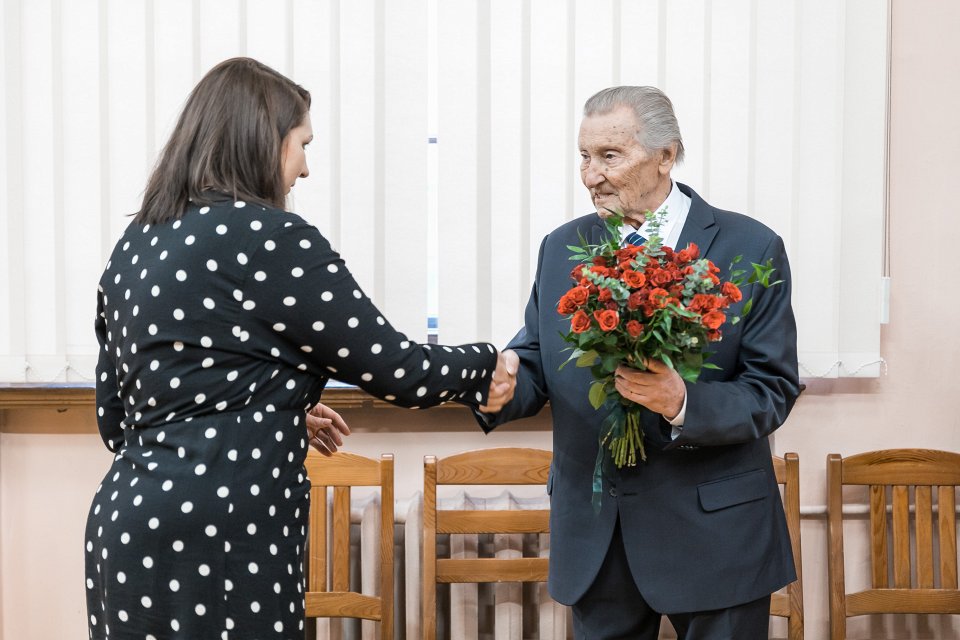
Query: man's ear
668, 157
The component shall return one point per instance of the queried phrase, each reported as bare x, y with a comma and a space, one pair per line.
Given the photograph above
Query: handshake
503, 383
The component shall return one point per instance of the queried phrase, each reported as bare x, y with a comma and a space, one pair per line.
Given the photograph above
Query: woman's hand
325, 429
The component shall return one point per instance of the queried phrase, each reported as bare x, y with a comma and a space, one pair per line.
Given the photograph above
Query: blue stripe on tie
634, 239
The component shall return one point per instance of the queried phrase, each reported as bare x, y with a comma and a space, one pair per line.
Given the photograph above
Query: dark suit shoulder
570, 232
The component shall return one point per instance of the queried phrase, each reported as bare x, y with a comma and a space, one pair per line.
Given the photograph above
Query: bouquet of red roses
633, 303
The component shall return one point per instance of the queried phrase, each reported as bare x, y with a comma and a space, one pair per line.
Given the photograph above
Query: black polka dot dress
217, 332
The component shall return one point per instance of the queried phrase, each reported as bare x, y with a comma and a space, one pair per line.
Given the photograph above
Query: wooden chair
789, 604
920, 588
504, 466
332, 597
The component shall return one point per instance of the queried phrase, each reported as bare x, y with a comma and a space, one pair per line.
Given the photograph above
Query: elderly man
697, 531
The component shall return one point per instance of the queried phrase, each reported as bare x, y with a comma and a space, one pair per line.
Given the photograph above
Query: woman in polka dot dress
221, 317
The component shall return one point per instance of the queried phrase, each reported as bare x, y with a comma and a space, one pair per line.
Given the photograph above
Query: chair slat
947, 503
339, 604
341, 539
924, 519
525, 521
344, 469
492, 570
523, 466
317, 565
428, 599
780, 605
878, 537
903, 467
903, 601
901, 537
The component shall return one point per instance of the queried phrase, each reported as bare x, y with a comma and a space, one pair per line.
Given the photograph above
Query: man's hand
659, 388
503, 383
325, 429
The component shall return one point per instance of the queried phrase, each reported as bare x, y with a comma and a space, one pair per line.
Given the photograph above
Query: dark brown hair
228, 140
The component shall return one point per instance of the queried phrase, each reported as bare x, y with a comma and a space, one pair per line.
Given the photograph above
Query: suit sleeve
756, 400
110, 413
530, 394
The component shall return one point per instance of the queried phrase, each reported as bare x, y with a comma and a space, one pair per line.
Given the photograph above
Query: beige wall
46, 481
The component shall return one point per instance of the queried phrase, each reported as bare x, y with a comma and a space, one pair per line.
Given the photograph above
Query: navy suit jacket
702, 519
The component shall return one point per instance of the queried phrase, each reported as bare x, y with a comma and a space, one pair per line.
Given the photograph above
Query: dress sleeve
321, 320
110, 413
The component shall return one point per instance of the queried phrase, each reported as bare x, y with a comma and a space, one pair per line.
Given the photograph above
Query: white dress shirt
677, 206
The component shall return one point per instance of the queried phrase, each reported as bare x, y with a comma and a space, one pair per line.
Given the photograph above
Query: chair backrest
899, 583
502, 466
328, 565
789, 604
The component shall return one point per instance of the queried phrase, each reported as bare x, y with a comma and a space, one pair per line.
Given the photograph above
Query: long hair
228, 139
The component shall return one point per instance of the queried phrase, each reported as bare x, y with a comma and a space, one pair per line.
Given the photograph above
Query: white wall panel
358, 143
731, 80
82, 209
12, 361
818, 170
640, 42
459, 34
781, 105
268, 33
316, 68
552, 139
401, 130
42, 302
508, 288
173, 66
687, 40
221, 32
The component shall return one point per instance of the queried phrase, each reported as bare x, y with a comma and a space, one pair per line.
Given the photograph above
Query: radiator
464, 612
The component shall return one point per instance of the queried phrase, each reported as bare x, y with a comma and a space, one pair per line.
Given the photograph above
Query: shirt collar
676, 205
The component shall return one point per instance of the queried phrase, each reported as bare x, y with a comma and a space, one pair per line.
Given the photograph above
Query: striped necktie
634, 239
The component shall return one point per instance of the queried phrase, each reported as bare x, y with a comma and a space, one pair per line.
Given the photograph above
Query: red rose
607, 319
634, 328
566, 306
605, 295
661, 277
578, 295
577, 273
731, 291
658, 297
634, 279
691, 253
667, 253
600, 261
713, 319
713, 336
635, 300
600, 271
703, 302
580, 322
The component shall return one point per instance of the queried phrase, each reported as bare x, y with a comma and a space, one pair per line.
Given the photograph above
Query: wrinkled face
293, 157
621, 176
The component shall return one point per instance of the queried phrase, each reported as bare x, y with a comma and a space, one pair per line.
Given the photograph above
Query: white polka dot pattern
202, 515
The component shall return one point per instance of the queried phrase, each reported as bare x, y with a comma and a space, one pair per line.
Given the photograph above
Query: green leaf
585, 358
747, 307
710, 365
598, 394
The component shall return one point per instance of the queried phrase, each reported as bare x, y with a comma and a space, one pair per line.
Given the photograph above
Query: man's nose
592, 176
305, 172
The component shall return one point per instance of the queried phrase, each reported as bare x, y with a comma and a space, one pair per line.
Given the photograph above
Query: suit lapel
701, 226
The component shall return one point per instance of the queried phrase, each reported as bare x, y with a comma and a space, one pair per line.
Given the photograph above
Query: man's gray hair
654, 111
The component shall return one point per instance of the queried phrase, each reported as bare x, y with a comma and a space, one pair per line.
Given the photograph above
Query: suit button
613, 492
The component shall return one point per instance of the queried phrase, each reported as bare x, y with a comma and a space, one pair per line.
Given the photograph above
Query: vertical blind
782, 106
